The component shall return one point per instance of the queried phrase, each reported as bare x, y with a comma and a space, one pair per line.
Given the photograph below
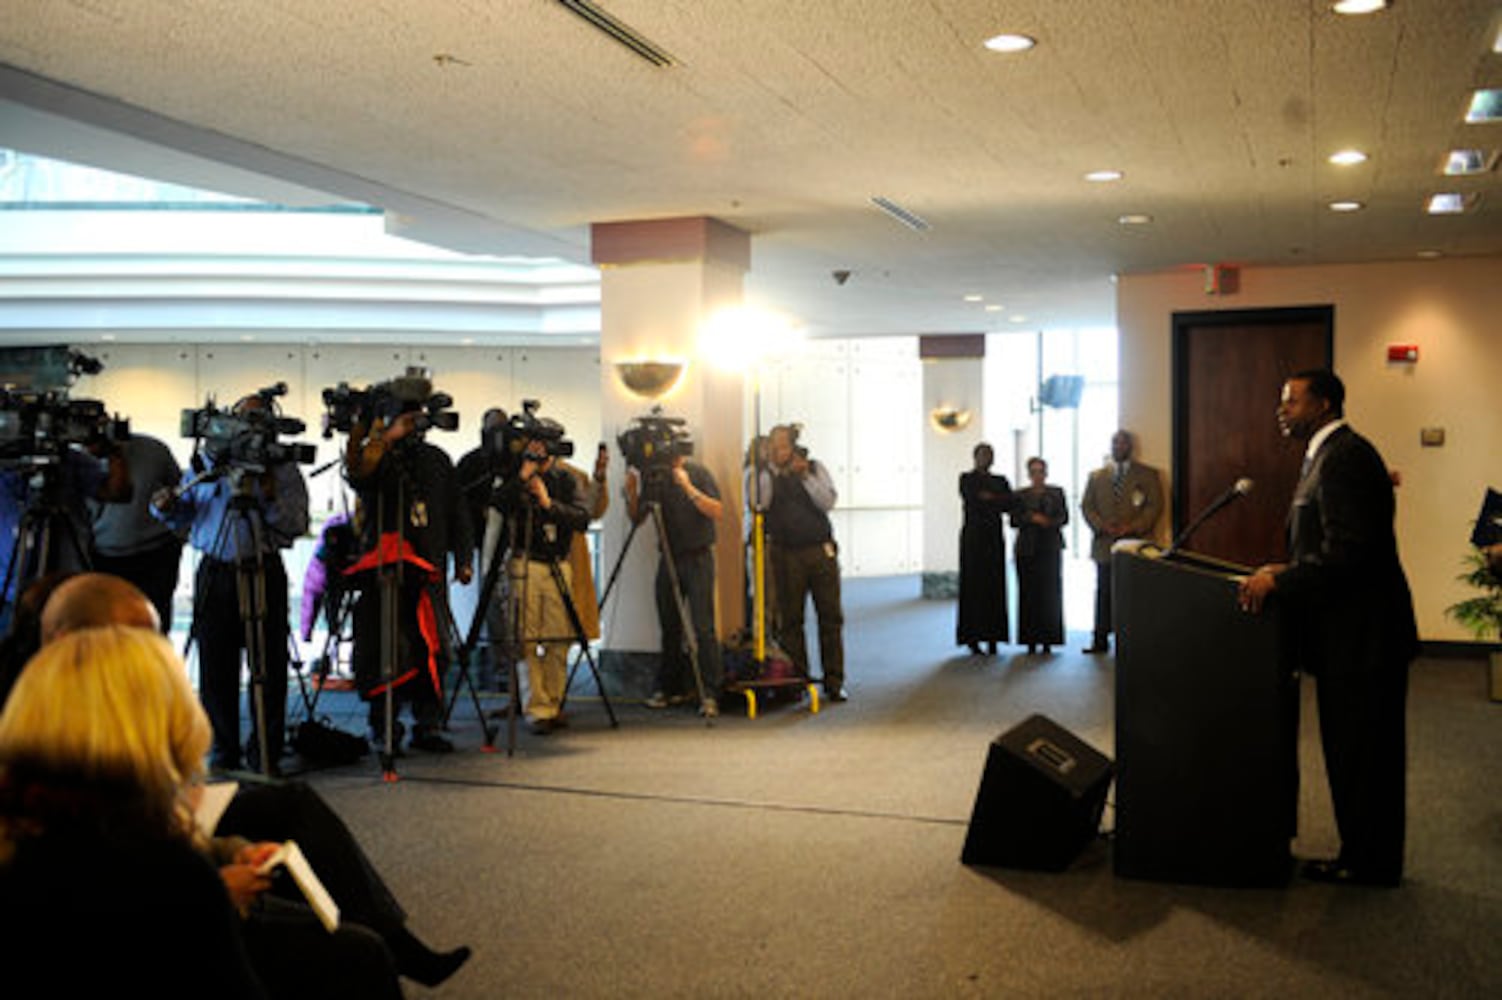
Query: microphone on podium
1240, 488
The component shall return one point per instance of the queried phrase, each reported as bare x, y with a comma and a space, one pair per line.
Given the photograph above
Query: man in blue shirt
239, 519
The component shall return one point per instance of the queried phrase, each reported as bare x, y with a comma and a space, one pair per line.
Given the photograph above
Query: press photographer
541, 512
796, 494
410, 523
660, 477
242, 501
56, 455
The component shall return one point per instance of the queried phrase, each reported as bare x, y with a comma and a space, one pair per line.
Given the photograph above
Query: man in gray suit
1123, 499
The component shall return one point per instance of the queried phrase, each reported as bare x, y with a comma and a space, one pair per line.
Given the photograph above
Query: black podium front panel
1206, 728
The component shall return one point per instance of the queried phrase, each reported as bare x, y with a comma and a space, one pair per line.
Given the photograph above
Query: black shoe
836, 695
975, 649
1047, 649
540, 727
429, 741
1098, 646
991, 649
1032, 649
1336, 872
422, 964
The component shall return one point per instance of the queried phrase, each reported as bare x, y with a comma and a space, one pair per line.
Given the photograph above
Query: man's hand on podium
1255, 588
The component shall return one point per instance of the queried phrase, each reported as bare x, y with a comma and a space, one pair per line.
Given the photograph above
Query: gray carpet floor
817, 855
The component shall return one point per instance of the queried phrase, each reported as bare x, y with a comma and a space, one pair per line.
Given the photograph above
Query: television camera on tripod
51, 446
243, 500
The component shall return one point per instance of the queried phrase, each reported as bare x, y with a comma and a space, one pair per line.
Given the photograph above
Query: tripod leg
685, 614
583, 640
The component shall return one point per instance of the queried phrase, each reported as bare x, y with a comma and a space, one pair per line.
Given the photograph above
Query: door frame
1183, 323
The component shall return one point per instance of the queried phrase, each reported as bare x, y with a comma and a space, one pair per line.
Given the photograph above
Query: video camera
248, 439
37, 427
528, 426
385, 401
653, 442
38, 424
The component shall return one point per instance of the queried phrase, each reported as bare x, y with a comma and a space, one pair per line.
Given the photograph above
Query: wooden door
1229, 368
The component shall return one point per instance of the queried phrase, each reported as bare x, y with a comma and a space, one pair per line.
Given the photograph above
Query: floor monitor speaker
1040, 798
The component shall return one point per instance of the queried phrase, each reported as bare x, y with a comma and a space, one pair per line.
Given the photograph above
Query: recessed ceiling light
993, 308
1019, 319
1346, 206
1430, 254
1450, 203
1463, 162
975, 298
106, 336
1138, 219
1010, 43
1358, 6
247, 337
1497, 42
466, 341
1348, 157
1486, 106
1102, 176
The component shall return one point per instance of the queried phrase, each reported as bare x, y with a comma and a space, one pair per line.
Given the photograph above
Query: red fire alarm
1407, 353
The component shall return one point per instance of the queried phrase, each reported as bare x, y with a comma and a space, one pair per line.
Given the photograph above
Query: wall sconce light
948, 419
649, 379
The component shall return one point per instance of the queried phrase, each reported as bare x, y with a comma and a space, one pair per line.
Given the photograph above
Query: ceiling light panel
1348, 157
1468, 162
1450, 203
1486, 106
1358, 6
1010, 42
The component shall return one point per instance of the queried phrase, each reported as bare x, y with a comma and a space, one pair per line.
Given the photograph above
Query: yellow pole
759, 590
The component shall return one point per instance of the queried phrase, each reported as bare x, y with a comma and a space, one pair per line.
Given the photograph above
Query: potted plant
1482, 614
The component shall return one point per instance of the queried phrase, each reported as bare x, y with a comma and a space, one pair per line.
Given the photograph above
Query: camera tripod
513, 560
244, 519
680, 602
36, 551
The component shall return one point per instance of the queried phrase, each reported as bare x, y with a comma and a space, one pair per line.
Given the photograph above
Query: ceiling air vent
902, 215
592, 13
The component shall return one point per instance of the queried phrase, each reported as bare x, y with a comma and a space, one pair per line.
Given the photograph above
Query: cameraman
690, 502
239, 518
797, 494
542, 515
407, 489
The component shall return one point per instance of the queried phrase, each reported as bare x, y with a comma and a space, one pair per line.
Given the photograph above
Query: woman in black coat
983, 566
1038, 514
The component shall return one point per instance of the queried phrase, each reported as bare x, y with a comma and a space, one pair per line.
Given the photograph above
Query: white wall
861, 406
1452, 309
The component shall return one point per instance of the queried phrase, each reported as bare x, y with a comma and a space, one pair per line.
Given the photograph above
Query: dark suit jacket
1353, 612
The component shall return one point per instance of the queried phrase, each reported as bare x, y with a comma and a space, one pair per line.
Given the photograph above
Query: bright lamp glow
737, 340
1348, 157
1358, 6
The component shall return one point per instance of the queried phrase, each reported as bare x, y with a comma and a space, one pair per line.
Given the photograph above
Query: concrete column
953, 382
660, 280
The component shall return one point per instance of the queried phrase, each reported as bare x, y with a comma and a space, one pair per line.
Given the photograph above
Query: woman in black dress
983, 558
1039, 512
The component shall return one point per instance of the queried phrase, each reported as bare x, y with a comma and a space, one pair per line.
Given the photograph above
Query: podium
1206, 725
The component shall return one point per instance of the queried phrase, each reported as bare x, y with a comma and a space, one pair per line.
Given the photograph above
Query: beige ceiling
785, 117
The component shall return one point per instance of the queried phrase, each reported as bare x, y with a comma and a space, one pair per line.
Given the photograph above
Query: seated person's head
92, 600
110, 701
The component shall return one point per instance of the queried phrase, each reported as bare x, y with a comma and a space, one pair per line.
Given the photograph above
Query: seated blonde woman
105, 733
101, 886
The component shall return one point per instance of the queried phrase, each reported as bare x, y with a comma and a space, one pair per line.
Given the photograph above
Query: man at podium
1351, 614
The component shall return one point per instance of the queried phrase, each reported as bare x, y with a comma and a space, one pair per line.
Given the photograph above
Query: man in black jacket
1352, 622
542, 513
